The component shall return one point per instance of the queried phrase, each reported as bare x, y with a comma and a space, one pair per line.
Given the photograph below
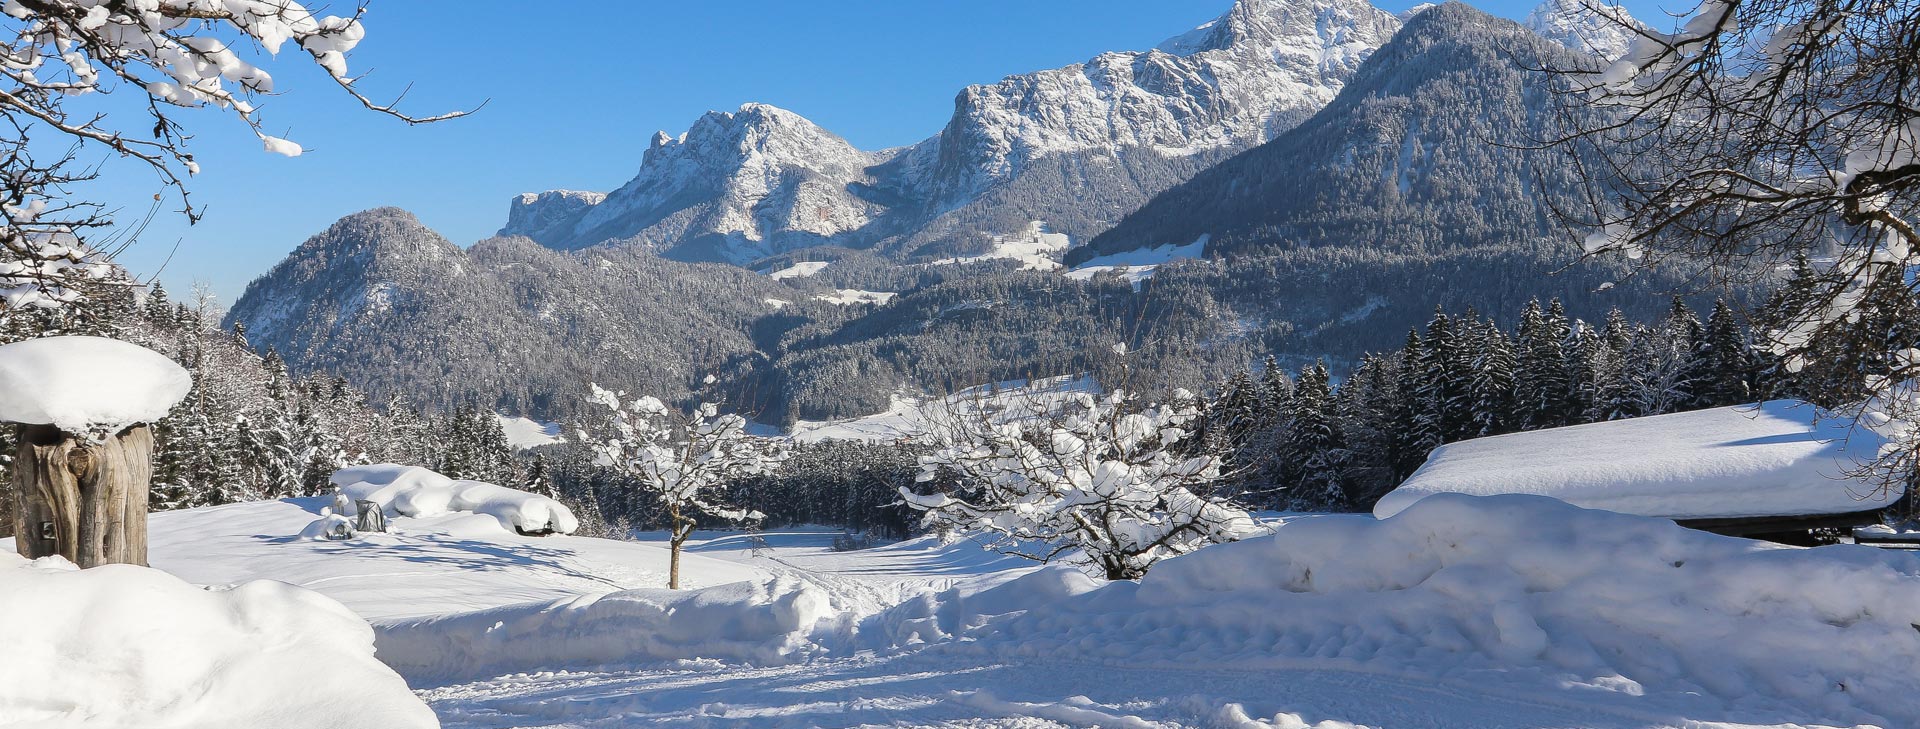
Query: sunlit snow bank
415, 491
765, 622
1515, 589
126, 646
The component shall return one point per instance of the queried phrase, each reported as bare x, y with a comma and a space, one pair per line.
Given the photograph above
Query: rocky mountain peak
1593, 27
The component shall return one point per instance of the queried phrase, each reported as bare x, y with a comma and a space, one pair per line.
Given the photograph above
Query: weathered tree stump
82, 500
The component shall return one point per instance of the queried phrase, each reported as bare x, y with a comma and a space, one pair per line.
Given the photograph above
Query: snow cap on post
85, 385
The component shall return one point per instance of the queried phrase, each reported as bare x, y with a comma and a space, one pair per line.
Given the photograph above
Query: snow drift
761, 622
418, 492
121, 645
1517, 588
1777, 458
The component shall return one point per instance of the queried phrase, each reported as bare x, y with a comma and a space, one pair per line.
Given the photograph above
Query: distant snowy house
1774, 467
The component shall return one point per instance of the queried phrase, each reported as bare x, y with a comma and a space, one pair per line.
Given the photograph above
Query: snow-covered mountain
1587, 26
381, 300
1104, 135
735, 187
542, 214
1426, 151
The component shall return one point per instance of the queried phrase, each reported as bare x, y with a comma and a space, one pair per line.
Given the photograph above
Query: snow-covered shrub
685, 459
1090, 474
120, 645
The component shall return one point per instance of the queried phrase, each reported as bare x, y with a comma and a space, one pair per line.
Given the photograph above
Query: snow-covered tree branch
166, 54
1756, 131
1093, 474
685, 459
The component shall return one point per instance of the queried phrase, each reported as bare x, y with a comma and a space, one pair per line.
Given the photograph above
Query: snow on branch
1755, 132
170, 53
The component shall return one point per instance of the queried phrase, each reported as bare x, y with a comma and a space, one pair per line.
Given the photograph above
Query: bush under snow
419, 492
121, 645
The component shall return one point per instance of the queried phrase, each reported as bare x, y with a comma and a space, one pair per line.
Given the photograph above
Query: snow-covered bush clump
765, 623
1093, 474
121, 645
415, 491
84, 385
1519, 589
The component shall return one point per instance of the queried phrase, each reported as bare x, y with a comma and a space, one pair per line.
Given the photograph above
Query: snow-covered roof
1776, 458
82, 384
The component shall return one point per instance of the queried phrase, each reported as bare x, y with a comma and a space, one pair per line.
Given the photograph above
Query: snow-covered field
1511, 611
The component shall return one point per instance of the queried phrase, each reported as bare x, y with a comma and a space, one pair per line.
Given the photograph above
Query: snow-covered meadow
1461, 611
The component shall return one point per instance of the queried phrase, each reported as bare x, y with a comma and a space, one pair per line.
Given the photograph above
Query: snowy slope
453, 563
524, 433
1777, 458
1588, 27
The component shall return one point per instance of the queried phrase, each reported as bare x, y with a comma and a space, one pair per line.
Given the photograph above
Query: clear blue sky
575, 91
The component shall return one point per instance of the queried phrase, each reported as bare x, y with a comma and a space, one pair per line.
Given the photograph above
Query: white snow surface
523, 433
1777, 458
87, 384
1139, 264
416, 491
1036, 248
127, 646
1459, 612
802, 269
1508, 611
850, 297
424, 566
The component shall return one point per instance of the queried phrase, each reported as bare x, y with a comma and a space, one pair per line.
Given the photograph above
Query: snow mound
1515, 589
764, 622
1776, 458
419, 492
121, 645
86, 384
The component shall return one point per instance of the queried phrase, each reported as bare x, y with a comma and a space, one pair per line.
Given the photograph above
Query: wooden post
82, 500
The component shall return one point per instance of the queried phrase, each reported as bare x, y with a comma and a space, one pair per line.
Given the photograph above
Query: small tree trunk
83, 501
673, 559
